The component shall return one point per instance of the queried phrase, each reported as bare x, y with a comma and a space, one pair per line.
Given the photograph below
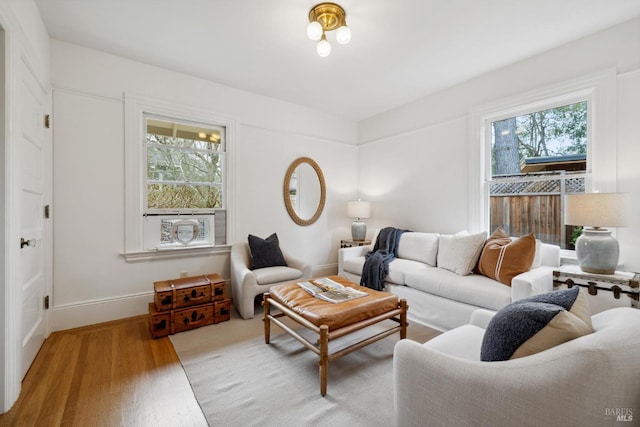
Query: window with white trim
537, 158
175, 176
570, 130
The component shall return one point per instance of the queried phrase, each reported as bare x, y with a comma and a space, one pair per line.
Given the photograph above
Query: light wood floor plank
112, 374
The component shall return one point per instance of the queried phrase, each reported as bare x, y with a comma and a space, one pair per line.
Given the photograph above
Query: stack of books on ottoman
187, 303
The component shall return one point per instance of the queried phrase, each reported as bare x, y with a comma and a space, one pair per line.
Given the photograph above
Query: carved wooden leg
265, 319
324, 358
403, 318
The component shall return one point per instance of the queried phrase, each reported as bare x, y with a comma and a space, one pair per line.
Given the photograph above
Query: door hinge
47, 212
47, 121
46, 302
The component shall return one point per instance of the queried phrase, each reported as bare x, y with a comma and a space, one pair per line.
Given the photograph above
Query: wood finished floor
112, 374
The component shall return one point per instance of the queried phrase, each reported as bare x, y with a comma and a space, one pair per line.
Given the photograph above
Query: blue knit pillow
535, 324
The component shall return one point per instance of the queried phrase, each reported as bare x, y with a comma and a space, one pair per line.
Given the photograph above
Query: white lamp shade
598, 209
323, 48
358, 209
343, 35
314, 30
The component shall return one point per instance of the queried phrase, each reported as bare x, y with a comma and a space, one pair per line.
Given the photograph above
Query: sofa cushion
502, 258
535, 324
463, 342
265, 252
421, 247
397, 268
271, 275
473, 289
460, 252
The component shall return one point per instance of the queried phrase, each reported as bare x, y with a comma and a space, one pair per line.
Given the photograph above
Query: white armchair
593, 380
246, 284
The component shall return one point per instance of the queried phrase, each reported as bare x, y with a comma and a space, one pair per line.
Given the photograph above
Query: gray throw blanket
376, 263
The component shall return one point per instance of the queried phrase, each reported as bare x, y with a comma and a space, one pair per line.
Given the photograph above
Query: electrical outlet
184, 274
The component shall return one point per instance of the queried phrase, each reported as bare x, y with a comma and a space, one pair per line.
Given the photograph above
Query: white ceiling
401, 50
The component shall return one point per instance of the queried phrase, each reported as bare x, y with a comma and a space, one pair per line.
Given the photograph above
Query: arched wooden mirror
304, 191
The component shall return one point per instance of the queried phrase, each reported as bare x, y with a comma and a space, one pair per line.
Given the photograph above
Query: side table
621, 289
352, 243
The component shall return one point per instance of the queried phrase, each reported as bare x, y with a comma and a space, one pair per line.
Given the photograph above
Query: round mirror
304, 191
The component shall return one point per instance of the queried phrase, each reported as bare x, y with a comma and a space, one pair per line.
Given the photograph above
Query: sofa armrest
535, 390
536, 281
550, 255
241, 275
353, 252
481, 318
298, 264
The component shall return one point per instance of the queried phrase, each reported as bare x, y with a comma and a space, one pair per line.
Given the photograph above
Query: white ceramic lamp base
358, 230
597, 251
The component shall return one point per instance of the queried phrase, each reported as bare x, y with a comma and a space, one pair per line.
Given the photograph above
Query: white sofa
440, 298
593, 380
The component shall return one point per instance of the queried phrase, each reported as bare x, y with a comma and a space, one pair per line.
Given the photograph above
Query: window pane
533, 206
532, 159
553, 139
183, 196
170, 164
184, 165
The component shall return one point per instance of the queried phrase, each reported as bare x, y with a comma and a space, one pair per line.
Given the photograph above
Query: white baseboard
86, 313
324, 270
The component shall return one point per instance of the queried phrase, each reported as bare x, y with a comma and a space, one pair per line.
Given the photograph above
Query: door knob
30, 242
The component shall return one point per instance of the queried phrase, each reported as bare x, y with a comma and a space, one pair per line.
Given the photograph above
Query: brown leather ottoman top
320, 312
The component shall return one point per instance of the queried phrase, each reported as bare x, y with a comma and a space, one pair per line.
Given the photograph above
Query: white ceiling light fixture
325, 17
323, 47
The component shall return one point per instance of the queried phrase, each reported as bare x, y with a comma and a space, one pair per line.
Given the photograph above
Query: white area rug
239, 380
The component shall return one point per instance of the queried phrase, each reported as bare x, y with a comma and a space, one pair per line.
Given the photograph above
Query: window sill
177, 252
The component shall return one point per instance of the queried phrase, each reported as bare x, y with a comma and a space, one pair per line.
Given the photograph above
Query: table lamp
597, 251
358, 209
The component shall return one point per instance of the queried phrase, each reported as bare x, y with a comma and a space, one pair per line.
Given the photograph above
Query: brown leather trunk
187, 303
188, 291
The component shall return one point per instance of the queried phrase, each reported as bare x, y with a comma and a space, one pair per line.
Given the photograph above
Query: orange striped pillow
502, 259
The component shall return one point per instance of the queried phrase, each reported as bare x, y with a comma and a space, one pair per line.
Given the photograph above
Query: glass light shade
314, 30
343, 35
323, 48
598, 209
358, 209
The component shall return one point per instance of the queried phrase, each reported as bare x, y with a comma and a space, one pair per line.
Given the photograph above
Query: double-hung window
530, 150
176, 179
184, 181
537, 158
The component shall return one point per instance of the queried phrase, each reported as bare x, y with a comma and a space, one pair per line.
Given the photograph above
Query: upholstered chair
246, 284
592, 380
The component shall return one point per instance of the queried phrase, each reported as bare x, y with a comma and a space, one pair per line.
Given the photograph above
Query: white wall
414, 161
92, 282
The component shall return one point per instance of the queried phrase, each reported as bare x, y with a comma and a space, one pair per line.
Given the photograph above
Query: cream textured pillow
502, 258
459, 253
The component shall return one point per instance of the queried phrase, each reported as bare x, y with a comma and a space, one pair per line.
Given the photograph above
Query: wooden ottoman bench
333, 320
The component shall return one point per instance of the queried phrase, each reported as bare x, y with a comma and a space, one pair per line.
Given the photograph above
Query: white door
33, 185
